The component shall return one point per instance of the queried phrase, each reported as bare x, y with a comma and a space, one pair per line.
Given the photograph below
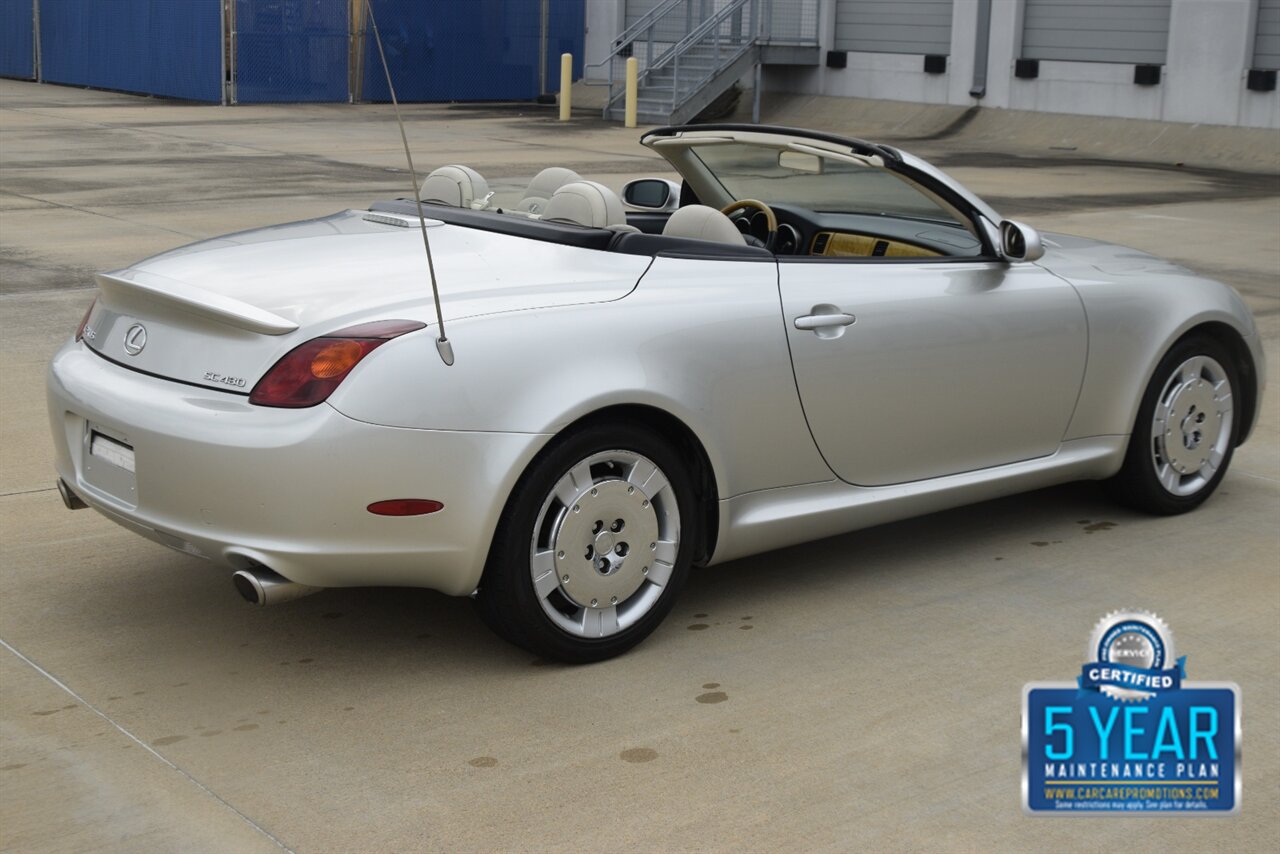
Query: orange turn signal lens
336, 359
310, 372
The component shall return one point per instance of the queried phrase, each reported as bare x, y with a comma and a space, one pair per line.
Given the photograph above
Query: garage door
1128, 31
1266, 45
894, 26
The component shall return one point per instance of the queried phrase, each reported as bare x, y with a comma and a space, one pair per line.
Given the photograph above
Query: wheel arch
682, 439
1247, 372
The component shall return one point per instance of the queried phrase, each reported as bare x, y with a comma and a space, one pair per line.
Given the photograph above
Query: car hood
1082, 259
231, 306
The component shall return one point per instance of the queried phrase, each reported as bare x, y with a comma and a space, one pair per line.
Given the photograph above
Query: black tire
1138, 483
507, 600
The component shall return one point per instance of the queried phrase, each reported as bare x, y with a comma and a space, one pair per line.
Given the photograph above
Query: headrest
586, 203
703, 223
543, 187
458, 186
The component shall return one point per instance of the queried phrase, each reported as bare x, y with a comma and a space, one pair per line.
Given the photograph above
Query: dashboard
849, 235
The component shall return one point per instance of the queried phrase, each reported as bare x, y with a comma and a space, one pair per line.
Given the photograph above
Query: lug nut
613, 600
565, 579
594, 602
560, 555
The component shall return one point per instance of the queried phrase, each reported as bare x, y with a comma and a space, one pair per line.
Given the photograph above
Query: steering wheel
755, 204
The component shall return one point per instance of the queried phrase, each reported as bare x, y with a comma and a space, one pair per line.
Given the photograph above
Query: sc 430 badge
1130, 735
222, 379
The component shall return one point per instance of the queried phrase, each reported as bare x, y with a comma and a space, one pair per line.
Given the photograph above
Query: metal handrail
693, 37
698, 36
697, 33
631, 34
643, 22
640, 36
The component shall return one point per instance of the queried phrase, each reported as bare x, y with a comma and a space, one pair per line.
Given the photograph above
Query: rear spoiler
188, 298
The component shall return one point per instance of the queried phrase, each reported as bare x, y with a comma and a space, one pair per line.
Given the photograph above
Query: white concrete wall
604, 20
1210, 51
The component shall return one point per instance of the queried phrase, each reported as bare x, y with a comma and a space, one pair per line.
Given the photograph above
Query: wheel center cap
605, 541
1194, 412
603, 544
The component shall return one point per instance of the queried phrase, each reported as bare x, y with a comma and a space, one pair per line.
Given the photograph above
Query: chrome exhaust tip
69, 499
260, 586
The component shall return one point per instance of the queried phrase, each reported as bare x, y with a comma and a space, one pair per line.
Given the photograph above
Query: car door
912, 369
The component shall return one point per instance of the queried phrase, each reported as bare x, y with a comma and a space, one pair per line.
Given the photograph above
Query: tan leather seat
542, 188
456, 186
703, 223
587, 203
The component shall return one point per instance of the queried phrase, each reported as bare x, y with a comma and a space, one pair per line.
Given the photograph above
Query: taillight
310, 372
84, 321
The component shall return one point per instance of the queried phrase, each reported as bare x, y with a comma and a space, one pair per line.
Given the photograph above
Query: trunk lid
221, 312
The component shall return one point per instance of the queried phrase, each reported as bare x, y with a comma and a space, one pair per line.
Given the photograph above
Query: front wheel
593, 547
1185, 432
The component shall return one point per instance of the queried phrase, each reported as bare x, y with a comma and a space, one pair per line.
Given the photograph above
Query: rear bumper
237, 484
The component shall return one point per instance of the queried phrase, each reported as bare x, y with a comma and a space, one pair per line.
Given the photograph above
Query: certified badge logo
1131, 735
1127, 657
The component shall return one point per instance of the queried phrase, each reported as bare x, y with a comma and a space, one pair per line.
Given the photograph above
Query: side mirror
652, 194
1019, 242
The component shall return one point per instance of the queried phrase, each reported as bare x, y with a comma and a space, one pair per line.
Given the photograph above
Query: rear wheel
1185, 432
593, 546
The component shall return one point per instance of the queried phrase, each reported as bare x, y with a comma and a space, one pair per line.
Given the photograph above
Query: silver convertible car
804, 336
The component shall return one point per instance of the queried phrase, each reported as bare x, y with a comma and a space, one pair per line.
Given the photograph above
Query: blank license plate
109, 450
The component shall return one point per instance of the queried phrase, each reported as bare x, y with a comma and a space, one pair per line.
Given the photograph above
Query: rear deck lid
220, 313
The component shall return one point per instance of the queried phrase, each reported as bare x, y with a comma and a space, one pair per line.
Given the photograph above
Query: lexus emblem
135, 339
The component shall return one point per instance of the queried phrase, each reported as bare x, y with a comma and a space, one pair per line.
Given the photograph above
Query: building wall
1210, 49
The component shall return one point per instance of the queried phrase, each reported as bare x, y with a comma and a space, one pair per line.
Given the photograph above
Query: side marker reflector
405, 507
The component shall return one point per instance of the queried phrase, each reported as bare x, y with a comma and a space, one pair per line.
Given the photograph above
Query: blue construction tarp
292, 50
479, 50
160, 47
17, 39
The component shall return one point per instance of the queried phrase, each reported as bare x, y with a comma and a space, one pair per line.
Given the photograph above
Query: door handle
825, 320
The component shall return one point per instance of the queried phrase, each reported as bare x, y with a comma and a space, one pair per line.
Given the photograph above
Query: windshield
823, 184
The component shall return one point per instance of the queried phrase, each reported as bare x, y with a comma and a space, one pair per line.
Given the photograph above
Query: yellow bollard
566, 85
633, 75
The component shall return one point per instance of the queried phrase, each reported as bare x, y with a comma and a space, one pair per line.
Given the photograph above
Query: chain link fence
290, 51
480, 50
158, 47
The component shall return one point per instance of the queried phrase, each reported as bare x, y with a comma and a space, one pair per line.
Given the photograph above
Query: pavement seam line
90, 212
148, 748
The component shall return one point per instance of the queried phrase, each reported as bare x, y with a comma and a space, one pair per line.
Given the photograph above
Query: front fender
1134, 318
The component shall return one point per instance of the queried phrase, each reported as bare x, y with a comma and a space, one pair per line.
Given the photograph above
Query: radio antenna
443, 346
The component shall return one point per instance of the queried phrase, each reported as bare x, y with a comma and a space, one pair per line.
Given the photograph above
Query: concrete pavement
861, 692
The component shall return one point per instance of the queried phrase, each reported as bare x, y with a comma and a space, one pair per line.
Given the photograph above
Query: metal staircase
690, 52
